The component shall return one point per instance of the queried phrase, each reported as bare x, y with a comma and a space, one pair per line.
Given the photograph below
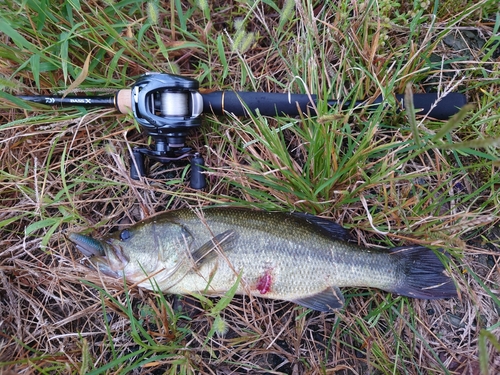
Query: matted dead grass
49, 317
69, 171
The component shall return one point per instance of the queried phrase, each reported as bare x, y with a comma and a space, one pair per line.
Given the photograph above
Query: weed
391, 177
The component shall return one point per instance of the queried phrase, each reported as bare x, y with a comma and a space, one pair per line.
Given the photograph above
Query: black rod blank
86, 101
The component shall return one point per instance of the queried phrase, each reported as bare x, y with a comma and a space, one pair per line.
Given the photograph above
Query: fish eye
125, 235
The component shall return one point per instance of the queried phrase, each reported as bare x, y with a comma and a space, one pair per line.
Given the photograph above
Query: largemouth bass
295, 257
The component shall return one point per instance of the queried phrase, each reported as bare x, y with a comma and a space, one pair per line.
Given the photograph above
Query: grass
418, 180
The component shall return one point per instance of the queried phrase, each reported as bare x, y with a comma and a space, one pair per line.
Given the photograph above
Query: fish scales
326, 261
294, 257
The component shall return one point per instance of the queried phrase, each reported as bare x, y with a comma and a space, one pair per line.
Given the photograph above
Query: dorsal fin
331, 228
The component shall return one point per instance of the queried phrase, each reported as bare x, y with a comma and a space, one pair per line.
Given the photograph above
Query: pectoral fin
208, 251
326, 301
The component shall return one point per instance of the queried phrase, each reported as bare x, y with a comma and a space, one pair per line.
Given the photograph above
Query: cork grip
123, 101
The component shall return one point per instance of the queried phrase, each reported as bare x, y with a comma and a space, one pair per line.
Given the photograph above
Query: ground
390, 177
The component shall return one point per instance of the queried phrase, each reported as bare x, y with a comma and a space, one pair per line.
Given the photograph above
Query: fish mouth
105, 257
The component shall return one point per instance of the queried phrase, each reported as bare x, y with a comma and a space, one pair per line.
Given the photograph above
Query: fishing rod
167, 106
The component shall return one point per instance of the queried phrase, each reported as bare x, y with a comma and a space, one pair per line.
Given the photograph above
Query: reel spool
167, 106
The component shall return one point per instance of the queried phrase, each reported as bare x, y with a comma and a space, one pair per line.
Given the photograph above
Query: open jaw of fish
294, 257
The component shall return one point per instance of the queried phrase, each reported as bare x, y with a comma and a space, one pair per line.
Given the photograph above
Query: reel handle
166, 106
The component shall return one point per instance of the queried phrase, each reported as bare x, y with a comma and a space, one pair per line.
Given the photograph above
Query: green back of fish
297, 256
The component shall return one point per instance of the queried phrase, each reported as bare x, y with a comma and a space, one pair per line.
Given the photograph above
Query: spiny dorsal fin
208, 251
326, 301
333, 229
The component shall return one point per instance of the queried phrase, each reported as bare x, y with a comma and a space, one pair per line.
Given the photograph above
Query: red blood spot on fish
264, 283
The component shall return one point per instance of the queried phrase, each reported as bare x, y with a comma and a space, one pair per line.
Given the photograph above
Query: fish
294, 257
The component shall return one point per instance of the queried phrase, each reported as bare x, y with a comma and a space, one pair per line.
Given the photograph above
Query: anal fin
326, 301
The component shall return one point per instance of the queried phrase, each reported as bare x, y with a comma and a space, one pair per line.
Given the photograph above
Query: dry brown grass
66, 170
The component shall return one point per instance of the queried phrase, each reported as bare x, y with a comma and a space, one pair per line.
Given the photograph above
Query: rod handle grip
123, 101
276, 104
446, 107
268, 104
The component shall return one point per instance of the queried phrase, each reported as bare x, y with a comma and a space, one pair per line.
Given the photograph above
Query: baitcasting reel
166, 106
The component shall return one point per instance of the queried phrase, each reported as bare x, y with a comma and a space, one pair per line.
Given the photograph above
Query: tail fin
423, 274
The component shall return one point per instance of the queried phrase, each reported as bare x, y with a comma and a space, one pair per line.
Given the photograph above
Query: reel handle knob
197, 180
137, 159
